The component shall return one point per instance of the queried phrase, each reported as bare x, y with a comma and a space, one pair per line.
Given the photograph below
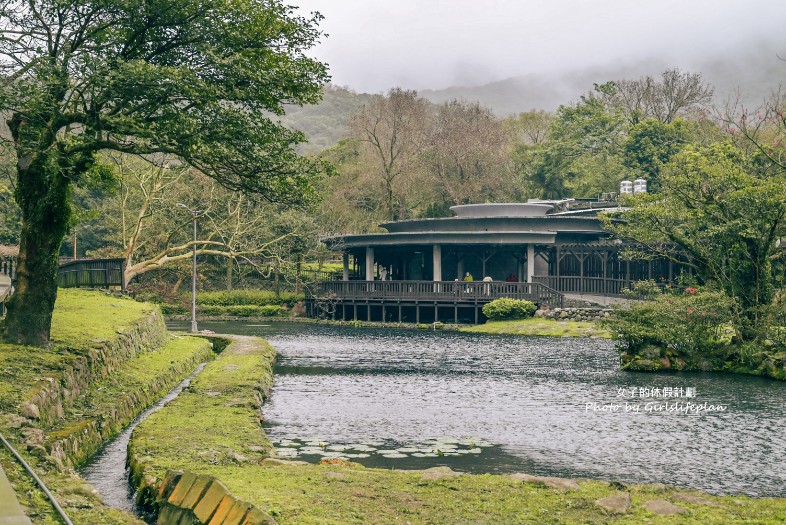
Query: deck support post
369, 263
530, 262
437, 258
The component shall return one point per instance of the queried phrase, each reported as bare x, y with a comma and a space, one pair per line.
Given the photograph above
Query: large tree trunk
43, 199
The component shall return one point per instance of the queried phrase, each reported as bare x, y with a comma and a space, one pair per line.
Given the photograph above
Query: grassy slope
80, 319
540, 326
350, 494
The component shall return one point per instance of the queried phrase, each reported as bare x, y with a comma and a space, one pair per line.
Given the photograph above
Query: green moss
23, 369
83, 320
83, 317
219, 413
146, 375
540, 326
219, 418
336, 494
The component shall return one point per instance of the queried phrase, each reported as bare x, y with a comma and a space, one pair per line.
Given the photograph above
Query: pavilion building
538, 250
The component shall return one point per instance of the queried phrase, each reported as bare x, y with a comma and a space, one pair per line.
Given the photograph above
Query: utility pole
194, 215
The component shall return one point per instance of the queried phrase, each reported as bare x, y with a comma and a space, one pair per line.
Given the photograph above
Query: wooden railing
447, 291
583, 285
4, 295
8, 267
91, 273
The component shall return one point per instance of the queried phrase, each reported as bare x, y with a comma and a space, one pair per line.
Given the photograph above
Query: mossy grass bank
220, 415
540, 326
111, 357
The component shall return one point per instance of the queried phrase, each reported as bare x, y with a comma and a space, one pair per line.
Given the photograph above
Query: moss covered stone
110, 358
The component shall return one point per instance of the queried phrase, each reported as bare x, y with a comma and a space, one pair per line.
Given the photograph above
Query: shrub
690, 323
646, 289
505, 308
247, 298
173, 309
270, 310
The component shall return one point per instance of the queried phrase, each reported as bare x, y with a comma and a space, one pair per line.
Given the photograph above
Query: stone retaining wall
48, 403
574, 314
72, 445
66, 445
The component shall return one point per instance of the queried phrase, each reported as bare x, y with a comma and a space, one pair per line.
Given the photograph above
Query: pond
546, 406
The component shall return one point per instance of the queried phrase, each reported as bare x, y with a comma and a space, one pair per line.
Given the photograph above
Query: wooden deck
416, 301
584, 285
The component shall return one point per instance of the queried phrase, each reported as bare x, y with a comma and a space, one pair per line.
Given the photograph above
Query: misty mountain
754, 75
325, 123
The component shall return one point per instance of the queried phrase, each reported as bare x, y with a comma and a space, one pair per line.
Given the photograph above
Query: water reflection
530, 397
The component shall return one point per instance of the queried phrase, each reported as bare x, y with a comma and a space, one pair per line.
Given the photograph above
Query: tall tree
581, 156
530, 127
198, 80
468, 153
393, 128
721, 214
676, 94
651, 144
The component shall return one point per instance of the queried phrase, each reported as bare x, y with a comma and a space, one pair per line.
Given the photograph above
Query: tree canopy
195, 80
720, 213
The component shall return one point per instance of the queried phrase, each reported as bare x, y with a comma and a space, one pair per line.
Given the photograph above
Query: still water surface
529, 396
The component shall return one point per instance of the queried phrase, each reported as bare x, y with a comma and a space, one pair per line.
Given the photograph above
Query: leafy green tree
581, 156
198, 80
650, 145
530, 127
721, 214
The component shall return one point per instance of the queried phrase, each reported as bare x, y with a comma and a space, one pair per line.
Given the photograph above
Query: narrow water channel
107, 470
413, 399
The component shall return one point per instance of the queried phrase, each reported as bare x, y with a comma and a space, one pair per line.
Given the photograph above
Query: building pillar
437, 256
530, 262
460, 267
345, 257
369, 263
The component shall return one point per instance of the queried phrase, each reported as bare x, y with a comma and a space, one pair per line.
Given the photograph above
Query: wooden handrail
447, 291
91, 273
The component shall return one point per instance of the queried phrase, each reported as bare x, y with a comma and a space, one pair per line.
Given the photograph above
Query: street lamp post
194, 215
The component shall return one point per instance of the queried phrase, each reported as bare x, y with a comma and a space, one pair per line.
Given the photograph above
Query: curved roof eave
421, 238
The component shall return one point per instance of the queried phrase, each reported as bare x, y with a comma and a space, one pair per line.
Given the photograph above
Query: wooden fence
439, 291
91, 273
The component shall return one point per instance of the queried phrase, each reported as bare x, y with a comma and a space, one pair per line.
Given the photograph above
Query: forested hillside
754, 75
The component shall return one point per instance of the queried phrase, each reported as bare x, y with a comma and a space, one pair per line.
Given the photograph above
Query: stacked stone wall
574, 314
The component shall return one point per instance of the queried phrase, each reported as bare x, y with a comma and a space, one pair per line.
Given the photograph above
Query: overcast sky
374, 45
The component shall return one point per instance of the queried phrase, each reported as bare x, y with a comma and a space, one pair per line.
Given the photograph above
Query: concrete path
10, 511
598, 299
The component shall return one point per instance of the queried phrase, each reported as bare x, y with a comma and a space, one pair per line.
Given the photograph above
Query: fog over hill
755, 73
